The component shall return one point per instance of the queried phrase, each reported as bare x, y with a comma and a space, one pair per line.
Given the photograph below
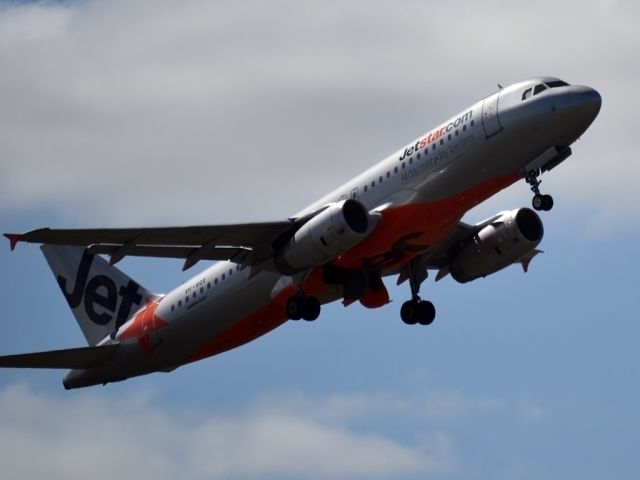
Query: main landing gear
417, 310
539, 202
302, 306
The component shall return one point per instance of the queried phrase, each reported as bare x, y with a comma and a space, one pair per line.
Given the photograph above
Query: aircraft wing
235, 242
72, 358
438, 256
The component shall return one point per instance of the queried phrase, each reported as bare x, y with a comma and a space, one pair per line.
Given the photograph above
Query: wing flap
71, 359
217, 253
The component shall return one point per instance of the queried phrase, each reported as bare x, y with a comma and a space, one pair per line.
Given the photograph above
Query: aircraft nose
591, 101
587, 101
577, 107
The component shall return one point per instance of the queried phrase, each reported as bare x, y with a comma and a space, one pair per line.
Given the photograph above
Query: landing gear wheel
427, 313
542, 202
302, 306
293, 308
418, 311
409, 312
310, 309
539, 202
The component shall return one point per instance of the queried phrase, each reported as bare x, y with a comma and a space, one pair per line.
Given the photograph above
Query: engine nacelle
334, 230
504, 241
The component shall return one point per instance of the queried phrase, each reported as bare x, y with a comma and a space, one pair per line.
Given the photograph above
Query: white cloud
30, 24
144, 112
278, 435
293, 445
532, 412
435, 407
75, 435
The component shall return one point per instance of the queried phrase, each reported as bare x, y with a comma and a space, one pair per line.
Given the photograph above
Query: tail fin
101, 297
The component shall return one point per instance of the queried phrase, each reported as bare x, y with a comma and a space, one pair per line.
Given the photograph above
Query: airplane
400, 217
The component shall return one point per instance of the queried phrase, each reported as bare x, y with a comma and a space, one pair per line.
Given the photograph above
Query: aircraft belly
220, 312
129, 361
407, 230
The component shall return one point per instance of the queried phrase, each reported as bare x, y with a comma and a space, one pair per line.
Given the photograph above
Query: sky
138, 113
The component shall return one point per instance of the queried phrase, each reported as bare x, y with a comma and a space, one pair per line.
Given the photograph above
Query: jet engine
505, 240
335, 229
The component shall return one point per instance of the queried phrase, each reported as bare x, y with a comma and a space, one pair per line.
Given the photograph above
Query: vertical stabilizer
101, 297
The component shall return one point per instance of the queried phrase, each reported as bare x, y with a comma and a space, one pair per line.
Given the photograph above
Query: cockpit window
557, 83
539, 88
526, 94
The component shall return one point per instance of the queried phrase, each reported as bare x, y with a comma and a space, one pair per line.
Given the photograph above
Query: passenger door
490, 118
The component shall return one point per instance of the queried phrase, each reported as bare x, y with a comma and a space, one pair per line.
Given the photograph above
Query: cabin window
201, 289
388, 174
395, 170
403, 165
380, 179
366, 188
179, 303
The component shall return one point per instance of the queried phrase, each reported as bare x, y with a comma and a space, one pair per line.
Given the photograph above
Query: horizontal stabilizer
72, 358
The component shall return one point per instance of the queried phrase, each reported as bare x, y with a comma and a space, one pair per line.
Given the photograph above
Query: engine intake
334, 230
504, 241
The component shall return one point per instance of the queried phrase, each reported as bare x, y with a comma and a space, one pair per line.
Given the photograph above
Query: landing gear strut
416, 310
302, 306
539, 202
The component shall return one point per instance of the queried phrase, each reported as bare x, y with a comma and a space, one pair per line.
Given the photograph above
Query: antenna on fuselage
500, 86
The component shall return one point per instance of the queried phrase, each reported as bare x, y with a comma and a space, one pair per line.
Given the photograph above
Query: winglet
14, 238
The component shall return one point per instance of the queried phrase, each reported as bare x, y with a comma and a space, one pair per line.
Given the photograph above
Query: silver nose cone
576, 107
586, 103
591, 102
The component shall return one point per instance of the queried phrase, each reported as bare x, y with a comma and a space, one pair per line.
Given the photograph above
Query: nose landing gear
539, 202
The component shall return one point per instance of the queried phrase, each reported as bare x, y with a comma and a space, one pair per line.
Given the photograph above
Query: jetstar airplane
401, 217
